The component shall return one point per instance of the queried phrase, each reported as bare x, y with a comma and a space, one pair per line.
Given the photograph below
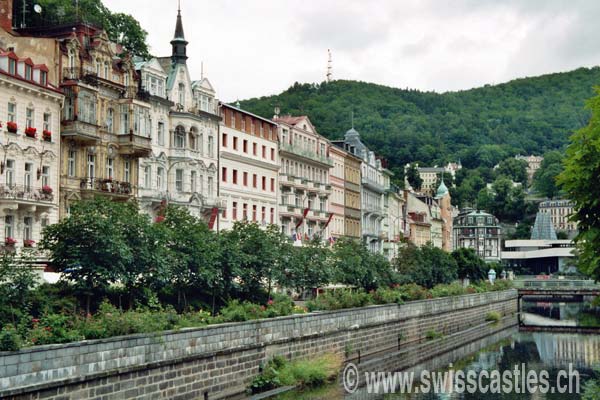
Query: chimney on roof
6, 14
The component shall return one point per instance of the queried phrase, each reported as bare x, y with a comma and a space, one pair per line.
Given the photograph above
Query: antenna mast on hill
329, 67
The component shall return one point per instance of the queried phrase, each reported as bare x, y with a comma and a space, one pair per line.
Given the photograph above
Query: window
272, 184
235, 143
264, 183
179, 180
243, 123
201, 143
234, 177
29, 118
127, 171
45, 175
161, 133
254, 212
106, 70
264, 152
323, 149
159, 177
210, 146
12, 112
193, 141
245, 212
245, 146
322, 204
47, 122
224, 140
232, 119
91, 166
234, 211
27, 176
28, 72
245, 178
223, 174
273, 154
12, 66
193, 181
27, 228
110, 167
43, 78
86, 108
9, 222
179, 137
181, 94
263, 214
254, 180
253, 149
71, 163
147, 176
210, 186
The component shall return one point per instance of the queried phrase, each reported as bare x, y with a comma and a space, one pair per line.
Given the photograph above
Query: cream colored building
560, 211
533, 164
249, 168
337, 226
305, 190
30, 112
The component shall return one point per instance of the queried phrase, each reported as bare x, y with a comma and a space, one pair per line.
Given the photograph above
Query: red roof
41, 67
288, 119
26, 60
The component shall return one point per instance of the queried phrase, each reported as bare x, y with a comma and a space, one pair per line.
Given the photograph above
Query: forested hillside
480, 126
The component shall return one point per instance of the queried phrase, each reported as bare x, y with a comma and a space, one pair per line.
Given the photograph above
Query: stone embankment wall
218, 361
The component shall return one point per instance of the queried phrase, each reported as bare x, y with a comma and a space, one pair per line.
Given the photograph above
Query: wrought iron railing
24, 192
106, 185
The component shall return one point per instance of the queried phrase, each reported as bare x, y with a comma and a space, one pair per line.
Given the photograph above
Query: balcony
373, 185
213, 202
87, 76
26, 196
80, 131
135, 145
108, 187
133, 92
372, 209
302, 152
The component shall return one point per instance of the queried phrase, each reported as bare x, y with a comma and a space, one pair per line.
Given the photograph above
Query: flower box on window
46, 189
11, 127
47, 135
28, 243
31, 132
10, 241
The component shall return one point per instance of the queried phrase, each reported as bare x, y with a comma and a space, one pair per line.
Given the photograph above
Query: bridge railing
556, 284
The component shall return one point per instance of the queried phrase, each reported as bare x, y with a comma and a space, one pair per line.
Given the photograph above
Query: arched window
192, 140
106, 69
179, 137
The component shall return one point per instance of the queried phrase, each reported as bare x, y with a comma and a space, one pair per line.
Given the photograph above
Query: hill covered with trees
481, 126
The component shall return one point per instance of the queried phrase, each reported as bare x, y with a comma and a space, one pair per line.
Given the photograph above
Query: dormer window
12, 66
43, 78
28, 72
181, 93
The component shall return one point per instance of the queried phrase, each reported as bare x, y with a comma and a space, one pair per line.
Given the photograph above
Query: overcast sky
260, 47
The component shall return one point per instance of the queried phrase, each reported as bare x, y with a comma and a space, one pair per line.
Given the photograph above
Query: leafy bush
412, 291
304, 373
340, 299
445, 290
54, 328
493, 316
433, 334
387, 296
10, 340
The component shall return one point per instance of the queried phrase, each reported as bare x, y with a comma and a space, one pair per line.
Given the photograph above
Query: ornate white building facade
183, 166
30, 110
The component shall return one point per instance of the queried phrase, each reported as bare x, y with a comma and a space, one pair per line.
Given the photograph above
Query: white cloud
261, 47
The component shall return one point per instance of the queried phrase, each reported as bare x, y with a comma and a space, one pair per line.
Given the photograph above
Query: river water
530, 351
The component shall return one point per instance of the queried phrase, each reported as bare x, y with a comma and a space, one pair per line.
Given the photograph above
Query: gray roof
543, 228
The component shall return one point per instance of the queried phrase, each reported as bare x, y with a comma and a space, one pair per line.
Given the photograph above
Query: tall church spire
179, 44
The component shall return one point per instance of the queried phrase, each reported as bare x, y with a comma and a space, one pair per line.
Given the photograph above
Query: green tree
307, 267
514, 169
580, 182
545, 178
353, 264
120, 28
413, 177
469, 264
17, 280
90, 246
426, 266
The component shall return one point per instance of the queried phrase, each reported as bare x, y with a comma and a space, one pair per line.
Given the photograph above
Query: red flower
10, 241
46, 189
35, 320
270, 302
160, 218
11, 126
28, 243
31, 132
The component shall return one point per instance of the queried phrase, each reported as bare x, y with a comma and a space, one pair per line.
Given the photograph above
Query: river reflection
536, 351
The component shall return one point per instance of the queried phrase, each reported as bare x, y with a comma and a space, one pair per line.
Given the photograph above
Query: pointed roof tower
179, 44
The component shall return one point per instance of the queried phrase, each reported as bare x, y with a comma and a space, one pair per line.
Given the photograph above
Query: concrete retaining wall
218, 361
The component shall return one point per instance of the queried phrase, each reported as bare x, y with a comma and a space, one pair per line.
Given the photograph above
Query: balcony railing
87, 76
136, 145
300, 151
27, 193
133, 92
80, 131
107, 186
